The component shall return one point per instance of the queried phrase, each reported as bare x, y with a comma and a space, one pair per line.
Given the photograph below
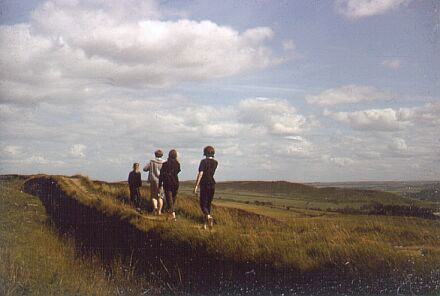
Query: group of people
164, 183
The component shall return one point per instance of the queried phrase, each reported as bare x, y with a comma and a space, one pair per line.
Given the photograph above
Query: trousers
206, 196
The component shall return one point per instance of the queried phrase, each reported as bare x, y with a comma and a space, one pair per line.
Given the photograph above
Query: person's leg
132, 196
159, 205
136, 195
210, 197
169, 199
173, 211
153, 194
204, 200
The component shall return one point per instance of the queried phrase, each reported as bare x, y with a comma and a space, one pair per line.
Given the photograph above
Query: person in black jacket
134, 183
169, 181
205, 178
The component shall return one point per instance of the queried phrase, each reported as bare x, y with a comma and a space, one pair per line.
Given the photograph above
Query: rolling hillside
259, 250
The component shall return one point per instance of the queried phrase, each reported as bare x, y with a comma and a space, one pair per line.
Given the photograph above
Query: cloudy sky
344, 90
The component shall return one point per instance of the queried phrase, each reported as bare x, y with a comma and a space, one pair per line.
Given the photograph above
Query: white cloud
78, 150
356, 9
392, 64
427, 114
274, 115
398, 144
340, 161
298, 147
12, 150
67, 44
288, 45
348, 94
38, 160
375, 119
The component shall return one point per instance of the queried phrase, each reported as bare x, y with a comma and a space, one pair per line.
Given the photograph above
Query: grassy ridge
36, 260
379, 250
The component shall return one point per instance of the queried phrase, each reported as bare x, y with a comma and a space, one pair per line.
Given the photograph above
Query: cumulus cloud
12, 150
78, 150
274, 115
356, 9
398, 144
375, 119
348, 94
340, 161
288, 45
427, 114
71, 43
392, 64
298, 147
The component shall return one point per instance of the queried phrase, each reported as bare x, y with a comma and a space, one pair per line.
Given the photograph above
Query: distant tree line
391, 210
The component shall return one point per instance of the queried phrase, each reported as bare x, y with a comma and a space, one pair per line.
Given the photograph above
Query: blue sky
344, 90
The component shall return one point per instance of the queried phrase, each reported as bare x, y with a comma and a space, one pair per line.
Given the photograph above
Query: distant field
294, 195
254, 249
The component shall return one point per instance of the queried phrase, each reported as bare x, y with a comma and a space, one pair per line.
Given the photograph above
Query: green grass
303, 240
367, 242
36, 260
294, 195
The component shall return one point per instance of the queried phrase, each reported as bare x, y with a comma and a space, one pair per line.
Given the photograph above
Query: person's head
172, 154
158, 153
208, 151
136, 166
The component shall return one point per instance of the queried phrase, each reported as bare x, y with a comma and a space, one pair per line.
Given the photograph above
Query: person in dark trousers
205, 178
169, 181
135, 182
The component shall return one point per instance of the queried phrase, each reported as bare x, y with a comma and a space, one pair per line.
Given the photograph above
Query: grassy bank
35, 259
255, 248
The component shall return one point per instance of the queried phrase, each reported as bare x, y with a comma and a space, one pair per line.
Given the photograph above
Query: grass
279, 247
36, 260
294, 195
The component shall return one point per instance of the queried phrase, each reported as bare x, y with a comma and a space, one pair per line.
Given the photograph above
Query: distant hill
266, 187
297, 195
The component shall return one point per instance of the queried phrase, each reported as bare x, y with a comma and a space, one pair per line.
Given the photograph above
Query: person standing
153, 169
134, 183
169, 181
205, 178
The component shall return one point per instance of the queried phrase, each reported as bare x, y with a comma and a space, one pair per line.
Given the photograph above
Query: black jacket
134, 179
168, 175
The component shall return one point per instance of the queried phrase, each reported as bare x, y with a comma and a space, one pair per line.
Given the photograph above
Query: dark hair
158, 153
135, 164
208, 151
172, 154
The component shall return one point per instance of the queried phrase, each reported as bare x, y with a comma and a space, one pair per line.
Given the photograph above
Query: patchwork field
309, 246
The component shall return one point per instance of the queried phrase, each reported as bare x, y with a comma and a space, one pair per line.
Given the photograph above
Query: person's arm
199, 177
147, 167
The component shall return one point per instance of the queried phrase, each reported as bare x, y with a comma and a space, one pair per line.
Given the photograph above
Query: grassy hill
255, 249
296, 195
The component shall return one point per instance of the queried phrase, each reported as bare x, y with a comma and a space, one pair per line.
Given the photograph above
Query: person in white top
153, 169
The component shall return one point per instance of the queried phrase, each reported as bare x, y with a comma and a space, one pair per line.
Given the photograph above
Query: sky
302, 91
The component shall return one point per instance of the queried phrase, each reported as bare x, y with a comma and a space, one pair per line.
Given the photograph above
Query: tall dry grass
36, 260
